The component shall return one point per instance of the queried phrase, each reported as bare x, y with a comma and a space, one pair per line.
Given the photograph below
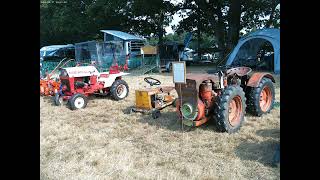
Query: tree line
220, 21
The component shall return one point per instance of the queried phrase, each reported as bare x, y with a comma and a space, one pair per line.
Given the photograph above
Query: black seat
79, 84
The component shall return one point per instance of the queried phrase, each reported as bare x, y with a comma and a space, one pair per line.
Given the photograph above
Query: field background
104, 141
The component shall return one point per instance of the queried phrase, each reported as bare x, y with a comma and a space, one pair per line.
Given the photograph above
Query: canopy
122, 35
252, 43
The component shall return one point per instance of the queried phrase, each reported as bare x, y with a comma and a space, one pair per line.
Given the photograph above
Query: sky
176, 19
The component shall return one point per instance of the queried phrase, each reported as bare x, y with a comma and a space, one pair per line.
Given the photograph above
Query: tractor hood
82, 71
190, 90
199, 78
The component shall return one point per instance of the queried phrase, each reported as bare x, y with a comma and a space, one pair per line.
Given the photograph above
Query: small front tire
58, 100
78, 101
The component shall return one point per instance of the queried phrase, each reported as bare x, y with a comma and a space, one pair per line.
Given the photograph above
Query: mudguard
256, 78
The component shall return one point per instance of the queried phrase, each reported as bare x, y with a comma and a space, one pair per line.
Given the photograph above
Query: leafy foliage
215, 23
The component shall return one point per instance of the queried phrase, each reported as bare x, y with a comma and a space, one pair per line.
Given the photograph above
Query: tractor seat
79, 84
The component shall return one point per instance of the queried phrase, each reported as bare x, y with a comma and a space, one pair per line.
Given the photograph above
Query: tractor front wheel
229, 109
119, 90
58, 100
261, 98
78, 101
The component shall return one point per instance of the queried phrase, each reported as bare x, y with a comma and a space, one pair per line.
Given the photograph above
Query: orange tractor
49, 87
224, 97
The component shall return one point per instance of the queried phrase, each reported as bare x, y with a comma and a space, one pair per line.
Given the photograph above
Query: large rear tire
119, 90
78, 101
261, 99
229, 109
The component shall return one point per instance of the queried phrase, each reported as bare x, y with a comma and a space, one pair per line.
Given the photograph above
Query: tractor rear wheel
119, 90
229, 109
261, 98
78, 101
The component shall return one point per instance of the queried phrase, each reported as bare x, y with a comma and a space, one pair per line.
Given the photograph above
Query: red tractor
224, 96
77, 83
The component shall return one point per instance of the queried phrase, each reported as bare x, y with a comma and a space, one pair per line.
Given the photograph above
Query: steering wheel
152, 81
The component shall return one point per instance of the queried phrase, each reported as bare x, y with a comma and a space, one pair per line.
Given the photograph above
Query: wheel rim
188, 112
79, 102
121, 91
235, 110
265, 98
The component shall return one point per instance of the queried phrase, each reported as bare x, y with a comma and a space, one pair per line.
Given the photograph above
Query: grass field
104, 141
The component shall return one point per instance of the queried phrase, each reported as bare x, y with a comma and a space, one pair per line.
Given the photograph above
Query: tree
225, 18
148, 18
234, 20
81, 20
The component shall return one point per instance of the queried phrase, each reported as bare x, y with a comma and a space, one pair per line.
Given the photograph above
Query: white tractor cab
77, 83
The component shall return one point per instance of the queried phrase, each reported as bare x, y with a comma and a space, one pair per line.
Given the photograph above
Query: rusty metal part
190, 90
160, 89
165, 89
201, 121
256, 78
199, 78
206, 93
149, 111
168, 98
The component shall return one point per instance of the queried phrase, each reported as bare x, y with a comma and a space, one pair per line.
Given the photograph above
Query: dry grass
103, 141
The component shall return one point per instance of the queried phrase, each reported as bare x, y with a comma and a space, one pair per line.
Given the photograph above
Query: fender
111, 78
256, 78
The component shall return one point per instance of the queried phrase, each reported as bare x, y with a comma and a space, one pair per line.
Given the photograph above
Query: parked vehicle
187, 55
77, 83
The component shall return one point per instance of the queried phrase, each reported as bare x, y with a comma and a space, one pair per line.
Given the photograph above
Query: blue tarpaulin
249, 45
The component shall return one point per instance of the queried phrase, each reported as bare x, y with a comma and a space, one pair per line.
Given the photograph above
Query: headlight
188, 111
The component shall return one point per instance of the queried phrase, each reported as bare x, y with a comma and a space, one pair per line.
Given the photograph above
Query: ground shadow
262, 152
49, 99
168, 120
273, 133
